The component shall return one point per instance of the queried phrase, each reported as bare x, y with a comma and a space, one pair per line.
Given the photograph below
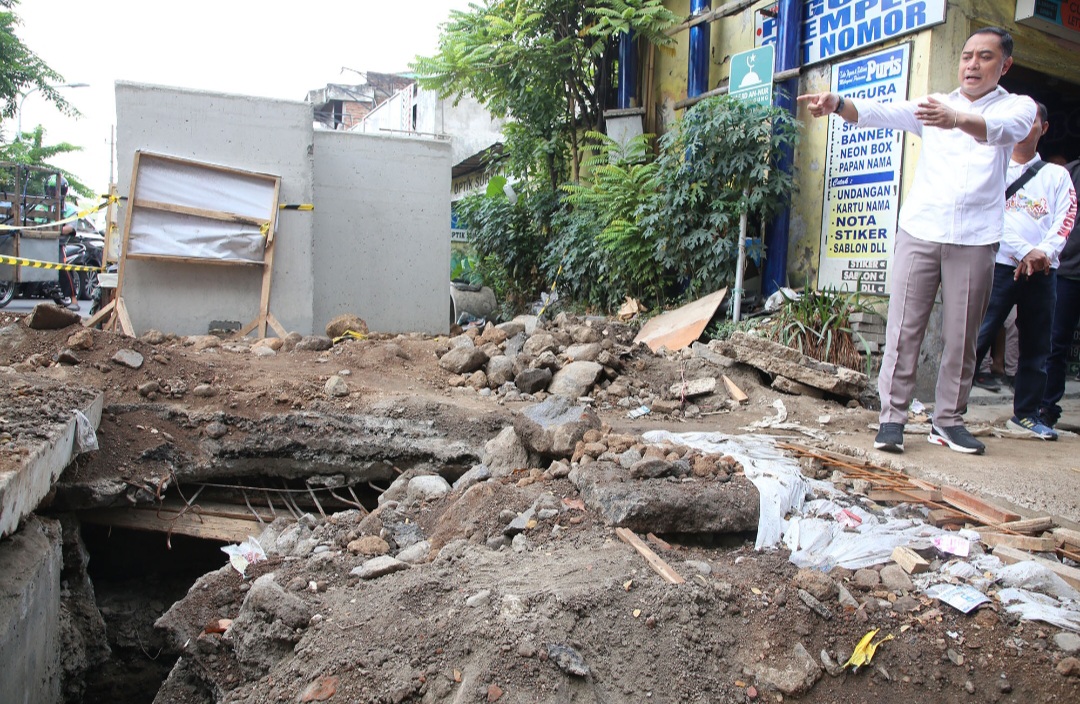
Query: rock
427, 487
82, 339
204, 391
49, 316
650, 468
511, 328
520, 543
814, 605
320, 689
575, 379
694, 387
504, 453
153, 337
216, 430
1067, 642
817, 583
66, 356
1068, 667
475, 475
540, 342
336, 386
270, 622
628, 458
337, 327
415, 553
896, 579
263, 351
128, 358
274, 343
955, 658
500, 370
203, 342
463, 360
867, 578
568, 660
494, 693
584, 353
314, 343
698, 566
776, 359
150, 387
585, 334
290, 341
478, 380
369, 546
530, 381
830, 665
522, 522
795, 676
552, 428
459, 341
847, 601
906, 604
379, 567
479, 599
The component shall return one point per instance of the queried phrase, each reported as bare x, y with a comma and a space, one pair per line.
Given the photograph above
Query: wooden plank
194, 260
911, 561
658, 542
662, 568
1021, 542
102, 314
678, 328
947, 516
277, 327
125, 320
1012, 555
1065, 536
904, 495
209, 527
983, 510
212, 167
733, 389
126, 235
1028, 525
221, 215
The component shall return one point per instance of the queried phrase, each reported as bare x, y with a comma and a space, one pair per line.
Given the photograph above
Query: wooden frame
116, 311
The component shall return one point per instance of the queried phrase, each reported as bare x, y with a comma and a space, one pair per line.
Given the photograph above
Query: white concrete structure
381, 204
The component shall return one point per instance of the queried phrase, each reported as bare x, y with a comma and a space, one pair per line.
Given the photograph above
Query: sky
269, 48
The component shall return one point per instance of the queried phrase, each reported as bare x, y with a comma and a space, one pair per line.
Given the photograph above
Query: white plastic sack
246, 553
85, 436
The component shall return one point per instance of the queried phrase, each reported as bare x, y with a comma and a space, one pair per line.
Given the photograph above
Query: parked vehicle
31, 289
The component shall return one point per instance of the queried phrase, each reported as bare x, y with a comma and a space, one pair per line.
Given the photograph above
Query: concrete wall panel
255, 134
382, 244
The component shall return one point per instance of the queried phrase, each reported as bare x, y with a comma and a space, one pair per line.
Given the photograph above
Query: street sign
752, 75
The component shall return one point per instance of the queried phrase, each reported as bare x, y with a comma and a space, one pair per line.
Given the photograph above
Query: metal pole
697, 77
27, 94
736, 299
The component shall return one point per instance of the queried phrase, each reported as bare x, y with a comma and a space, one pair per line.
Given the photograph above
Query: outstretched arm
821, 104
934, 113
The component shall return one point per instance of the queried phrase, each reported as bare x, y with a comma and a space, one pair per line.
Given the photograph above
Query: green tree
30, 150
719, 162
21, 70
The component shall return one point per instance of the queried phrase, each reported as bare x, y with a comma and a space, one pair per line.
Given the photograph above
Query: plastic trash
952, 544
639, 412
246, 553
1039, 607
864, 651
961, 597
85, 437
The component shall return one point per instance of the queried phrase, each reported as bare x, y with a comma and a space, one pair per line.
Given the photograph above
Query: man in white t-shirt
1039, 213
949, 227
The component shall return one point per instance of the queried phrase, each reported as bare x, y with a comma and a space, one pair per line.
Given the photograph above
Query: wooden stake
659, 566
909, 560
734, 391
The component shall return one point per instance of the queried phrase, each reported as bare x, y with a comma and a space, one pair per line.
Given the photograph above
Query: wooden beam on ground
658, 542
659, 566
909, 560
1066, 537
946, 516
1028, 525
224, 522
1012, 555
904, 495
985, 511
1020, 542
733, 390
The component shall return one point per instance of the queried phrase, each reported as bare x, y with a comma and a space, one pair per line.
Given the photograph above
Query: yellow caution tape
297, 206
350, 335
36, 264
264, 229
72, 218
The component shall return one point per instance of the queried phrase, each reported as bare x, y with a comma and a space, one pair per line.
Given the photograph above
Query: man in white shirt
1039, 213
950, 224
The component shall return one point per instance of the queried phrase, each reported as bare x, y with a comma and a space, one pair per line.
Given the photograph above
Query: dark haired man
1040, 209
949, 228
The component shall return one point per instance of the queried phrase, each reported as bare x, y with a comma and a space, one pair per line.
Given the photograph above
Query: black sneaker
890, 437
986, 381
956, 438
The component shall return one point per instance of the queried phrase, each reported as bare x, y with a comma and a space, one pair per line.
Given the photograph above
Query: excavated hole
139, 574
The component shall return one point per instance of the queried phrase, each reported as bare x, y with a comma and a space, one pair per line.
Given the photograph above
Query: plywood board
679, 328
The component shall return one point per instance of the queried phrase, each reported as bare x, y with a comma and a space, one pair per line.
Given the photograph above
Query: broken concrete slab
575, 379
664, 506
795, 388
40, 430
777, 359
49, 316
694, 387
552, 428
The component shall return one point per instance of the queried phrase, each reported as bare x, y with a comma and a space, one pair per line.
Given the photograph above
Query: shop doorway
1062, 101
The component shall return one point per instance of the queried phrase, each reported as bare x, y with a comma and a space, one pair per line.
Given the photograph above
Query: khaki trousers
965, 275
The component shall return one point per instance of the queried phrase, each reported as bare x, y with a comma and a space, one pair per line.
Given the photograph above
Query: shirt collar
994, 94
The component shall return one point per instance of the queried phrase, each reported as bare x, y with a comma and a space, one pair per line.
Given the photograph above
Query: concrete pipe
478, 302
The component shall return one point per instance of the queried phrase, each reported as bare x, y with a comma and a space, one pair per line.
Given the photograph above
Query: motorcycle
31, 289
84, 249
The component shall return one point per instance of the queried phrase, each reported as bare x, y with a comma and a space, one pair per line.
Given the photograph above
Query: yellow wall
934, 56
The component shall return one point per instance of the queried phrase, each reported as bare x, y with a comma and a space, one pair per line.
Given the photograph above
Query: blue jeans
1066, 316
1034, 298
